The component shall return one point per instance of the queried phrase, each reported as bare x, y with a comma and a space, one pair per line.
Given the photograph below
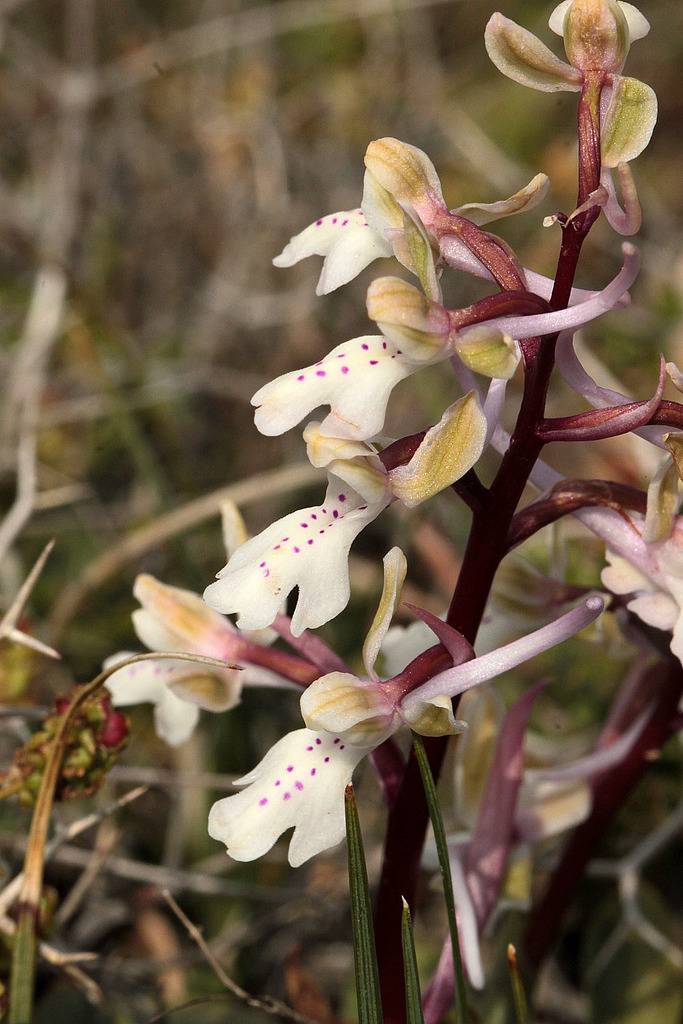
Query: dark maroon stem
486, 547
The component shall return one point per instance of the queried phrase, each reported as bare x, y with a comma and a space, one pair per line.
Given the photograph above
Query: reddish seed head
114, 729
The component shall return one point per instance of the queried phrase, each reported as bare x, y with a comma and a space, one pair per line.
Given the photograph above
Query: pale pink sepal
463, 677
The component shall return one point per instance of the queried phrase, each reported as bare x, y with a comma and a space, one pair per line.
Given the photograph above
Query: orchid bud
358, 712
491, 353
434, 717
407, 174
416, 324
521, 56
596, 35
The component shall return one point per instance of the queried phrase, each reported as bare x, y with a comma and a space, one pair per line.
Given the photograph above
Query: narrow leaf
364, 954
444, 864
410, 974
518, 994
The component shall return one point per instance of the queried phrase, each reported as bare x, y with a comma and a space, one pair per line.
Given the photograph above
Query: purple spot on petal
320, 373
344, 223
318, 223
365, 346
373, 362
290, 767
337, 741
299, 785
278, 782
301, 377
327, 760
309, 541
313, 515
313, 771
261, 565
309, 748
321, 531
286, 796
296, 550
318, 742
345, 369
342, 497
304, 526
384, 344
262, 803
334, 220
335, 513
284, 539
341, 747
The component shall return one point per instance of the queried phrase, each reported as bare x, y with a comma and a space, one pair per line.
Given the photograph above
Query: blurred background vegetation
155, 156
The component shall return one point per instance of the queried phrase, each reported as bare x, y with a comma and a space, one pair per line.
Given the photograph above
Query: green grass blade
444, 864
518, 994
364, 954
412, 978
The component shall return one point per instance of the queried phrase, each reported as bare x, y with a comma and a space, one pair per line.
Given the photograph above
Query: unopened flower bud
417, 325
407, 174
489, 352
596, 35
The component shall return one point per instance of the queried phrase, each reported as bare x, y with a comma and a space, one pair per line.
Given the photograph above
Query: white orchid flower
171, 620
401, 196
301, 781
308, 549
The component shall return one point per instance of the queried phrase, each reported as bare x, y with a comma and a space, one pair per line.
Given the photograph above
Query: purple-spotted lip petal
463, 677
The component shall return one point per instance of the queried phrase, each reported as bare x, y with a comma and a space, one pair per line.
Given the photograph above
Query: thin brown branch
266, 1004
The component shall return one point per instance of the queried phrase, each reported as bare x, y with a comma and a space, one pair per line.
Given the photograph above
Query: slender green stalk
518, 994
365, 957
447, 881
410, 973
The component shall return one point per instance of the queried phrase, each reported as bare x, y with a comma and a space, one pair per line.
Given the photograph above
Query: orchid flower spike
300, 782
402, 199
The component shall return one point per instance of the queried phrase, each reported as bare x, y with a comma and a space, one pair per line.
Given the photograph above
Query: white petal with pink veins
299, 784
355, 379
